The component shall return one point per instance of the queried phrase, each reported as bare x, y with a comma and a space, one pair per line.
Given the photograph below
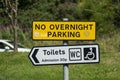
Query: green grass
19, 67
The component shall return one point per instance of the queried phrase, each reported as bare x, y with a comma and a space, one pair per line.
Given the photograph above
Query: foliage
106, 14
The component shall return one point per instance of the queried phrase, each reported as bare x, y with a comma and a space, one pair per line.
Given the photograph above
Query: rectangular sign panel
64, 30
64, 54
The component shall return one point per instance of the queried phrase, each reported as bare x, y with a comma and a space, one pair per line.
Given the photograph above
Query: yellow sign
64, 30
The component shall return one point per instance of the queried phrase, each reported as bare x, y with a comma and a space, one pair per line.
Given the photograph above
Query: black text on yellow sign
64, 30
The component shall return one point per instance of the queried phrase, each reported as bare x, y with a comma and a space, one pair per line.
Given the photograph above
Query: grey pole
65, 66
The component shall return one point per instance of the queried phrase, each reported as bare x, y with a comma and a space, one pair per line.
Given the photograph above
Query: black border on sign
66, 63
63, 39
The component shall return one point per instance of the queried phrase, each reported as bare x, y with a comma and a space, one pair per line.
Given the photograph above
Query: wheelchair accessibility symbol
90, 53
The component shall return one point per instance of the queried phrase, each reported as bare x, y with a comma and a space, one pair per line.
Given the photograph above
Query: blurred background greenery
106, 14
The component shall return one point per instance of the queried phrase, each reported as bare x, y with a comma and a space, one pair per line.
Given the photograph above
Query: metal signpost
65, 66
64, 30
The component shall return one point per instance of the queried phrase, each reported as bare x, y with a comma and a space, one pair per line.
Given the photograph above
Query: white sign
64, 54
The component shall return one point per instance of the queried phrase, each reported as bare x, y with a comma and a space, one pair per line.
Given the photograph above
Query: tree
11, 9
